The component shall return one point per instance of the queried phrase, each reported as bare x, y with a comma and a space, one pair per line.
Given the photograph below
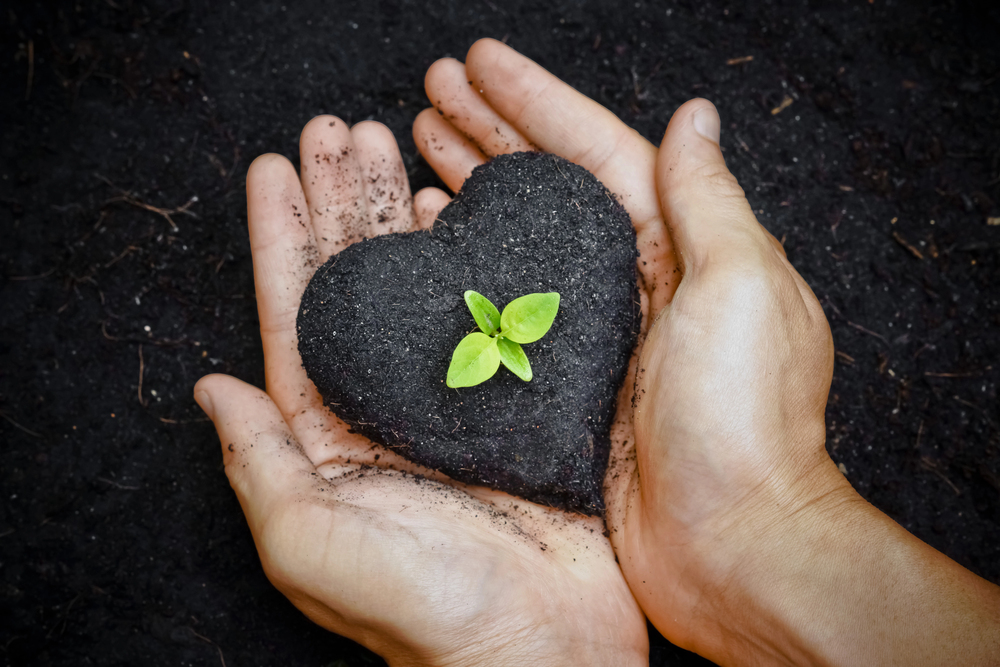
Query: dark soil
379, 322
865, 135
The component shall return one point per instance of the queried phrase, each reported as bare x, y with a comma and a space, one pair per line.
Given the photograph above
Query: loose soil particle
378, 324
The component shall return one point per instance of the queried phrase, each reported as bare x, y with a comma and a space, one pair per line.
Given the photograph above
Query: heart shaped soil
379, 322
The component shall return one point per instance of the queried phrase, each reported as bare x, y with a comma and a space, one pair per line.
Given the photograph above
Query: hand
736, 532
366, 544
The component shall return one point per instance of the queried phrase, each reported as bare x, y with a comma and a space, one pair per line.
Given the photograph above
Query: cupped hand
720, 431
399, 558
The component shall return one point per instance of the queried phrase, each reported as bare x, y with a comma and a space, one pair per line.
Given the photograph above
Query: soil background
866, 134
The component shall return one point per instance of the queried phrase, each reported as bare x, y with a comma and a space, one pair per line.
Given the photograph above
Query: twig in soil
104, 330
142, 368
846, 358
60, 623
31, 69
972, 374
785, 103
167, 420
855, 325
132, 200
740, 60
867, 331
222, 658
901, 241
927, 464
985, 414
115, 80
37, 277
746, 148
25, 429
160, 342
121, 255
118, 485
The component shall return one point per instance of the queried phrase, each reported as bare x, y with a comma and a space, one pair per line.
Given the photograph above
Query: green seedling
499, 340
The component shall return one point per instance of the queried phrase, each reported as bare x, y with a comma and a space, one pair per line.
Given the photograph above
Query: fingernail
707, 124
205, 402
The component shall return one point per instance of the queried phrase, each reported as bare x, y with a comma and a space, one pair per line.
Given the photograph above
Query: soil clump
379, 321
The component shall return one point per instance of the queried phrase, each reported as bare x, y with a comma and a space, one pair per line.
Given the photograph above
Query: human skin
420, 569
736, 532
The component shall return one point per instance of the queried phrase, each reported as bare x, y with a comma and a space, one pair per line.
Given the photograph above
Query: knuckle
719, 181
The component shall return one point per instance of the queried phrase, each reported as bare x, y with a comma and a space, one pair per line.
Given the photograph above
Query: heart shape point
379, 322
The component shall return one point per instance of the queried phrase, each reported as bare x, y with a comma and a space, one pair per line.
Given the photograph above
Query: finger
558, 119
706, 211
450, 92
253, 430
331, 179
264, 463
383, 175
284, 259
427, 206
295, 515
446, 150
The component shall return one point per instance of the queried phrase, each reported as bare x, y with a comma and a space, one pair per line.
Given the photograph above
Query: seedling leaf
475, 360
483, 311
479, 355
513, 357
528, 318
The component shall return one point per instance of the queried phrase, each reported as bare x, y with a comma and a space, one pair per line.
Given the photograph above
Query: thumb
265, 464
705, 209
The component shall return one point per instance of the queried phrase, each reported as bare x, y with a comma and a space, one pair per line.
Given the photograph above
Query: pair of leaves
479, 355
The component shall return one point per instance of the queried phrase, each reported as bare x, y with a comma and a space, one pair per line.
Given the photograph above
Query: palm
406, 566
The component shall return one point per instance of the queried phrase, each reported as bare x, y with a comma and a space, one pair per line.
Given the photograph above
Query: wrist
533, 650
788, 605
836, 582
567, 641
749, 576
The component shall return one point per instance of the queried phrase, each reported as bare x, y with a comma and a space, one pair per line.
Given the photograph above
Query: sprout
479, 355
